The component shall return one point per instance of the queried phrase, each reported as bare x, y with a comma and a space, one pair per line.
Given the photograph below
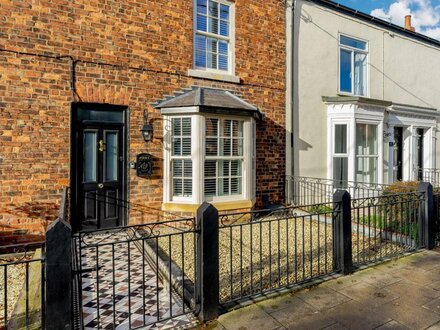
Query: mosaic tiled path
129, 296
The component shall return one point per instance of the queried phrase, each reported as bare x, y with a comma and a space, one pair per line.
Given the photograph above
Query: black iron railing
136, 276
430, 175
385, 226
262, 251
306, 190
22, 286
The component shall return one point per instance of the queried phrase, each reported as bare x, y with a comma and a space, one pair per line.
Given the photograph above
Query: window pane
177, 187
177, 147
201, 23
211, 147
345, 71
340, 139
186, 147
201, 7
235, 168
177, 168
236, 186
224, 12
360, 74
213, 9
186, 126
366, 139
90, 156
224, 28
223, 47
340, 171
177, 126
111, 156
98, 115
201, 59
223, 63
347, 41
212, 45
366, 169
211, 127
212, 61
213, 25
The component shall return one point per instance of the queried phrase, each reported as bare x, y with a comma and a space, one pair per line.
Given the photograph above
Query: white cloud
425, 16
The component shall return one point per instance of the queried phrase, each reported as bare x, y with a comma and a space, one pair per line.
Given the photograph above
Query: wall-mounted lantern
147, 129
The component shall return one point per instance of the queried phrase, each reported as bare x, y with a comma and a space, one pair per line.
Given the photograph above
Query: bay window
209, 158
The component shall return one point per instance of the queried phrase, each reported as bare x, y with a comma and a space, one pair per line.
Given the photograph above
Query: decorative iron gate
135, 276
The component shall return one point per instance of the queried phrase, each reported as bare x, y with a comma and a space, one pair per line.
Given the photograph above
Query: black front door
100, 167
398, 153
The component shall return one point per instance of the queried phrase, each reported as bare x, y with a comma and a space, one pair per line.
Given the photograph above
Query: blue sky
425, 13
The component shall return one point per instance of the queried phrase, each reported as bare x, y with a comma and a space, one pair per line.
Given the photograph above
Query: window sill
213, 76
221, 206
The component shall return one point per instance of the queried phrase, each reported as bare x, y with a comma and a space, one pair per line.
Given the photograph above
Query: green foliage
405, 228
320, 209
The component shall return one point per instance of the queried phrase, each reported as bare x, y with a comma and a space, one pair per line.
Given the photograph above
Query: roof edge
376, 21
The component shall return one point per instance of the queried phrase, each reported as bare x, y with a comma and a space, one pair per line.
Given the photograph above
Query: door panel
398, 153
101, 170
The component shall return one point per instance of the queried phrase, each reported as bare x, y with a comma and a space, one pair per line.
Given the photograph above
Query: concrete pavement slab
322, 297
406, 313
368, 294
357, 316
249, 318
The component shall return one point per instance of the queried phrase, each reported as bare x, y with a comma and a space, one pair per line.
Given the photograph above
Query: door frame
74, 219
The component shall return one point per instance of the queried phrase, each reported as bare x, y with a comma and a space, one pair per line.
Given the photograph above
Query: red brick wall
128, 53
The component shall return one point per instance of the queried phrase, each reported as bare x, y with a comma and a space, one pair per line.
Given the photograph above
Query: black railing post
58, 276
426, 220
342, 248
207, 273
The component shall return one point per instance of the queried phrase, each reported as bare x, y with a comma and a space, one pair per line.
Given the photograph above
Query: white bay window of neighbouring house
367, 154
212, 39
353, 75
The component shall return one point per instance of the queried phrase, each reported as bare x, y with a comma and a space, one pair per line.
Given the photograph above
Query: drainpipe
289, 97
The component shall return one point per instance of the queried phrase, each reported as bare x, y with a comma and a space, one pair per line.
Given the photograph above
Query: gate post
341, 226
58, 276
207, 254
427, 219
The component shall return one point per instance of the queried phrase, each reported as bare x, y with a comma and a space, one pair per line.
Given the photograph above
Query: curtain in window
360, 74
366, 153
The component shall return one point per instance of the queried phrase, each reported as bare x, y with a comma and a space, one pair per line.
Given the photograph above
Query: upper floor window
212, 40
353, 75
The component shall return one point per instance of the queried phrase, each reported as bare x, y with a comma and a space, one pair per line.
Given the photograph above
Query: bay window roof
208, 100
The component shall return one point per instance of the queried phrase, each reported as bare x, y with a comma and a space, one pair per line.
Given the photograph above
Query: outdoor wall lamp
147, 129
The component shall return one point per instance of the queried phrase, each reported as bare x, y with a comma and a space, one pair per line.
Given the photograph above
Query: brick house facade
58, 53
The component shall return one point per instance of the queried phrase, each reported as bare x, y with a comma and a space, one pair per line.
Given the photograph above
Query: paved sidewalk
400, 294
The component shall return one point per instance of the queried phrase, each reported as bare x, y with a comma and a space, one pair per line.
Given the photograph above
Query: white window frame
218, 158
353, 50
334, 123
230, 39
375, 156
198, 159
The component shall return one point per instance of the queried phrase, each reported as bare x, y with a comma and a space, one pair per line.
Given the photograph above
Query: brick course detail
128, 53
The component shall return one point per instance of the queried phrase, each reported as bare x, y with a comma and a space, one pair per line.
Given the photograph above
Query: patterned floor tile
127, 295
